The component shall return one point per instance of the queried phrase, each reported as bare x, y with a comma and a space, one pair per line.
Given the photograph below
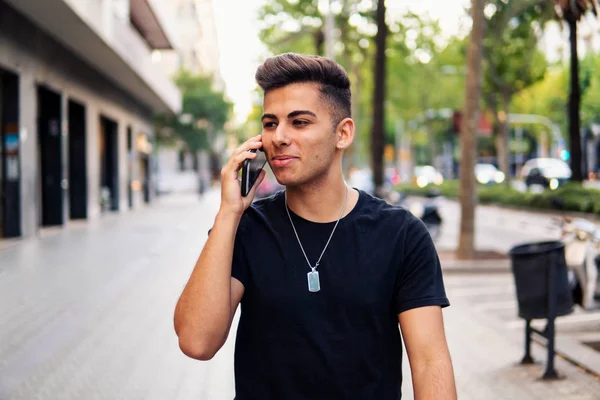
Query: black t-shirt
342, 342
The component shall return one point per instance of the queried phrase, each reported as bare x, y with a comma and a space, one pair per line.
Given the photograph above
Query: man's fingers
232, 168
240, 158
253, 143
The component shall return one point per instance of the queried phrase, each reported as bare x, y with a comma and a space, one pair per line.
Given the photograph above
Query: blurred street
117, 117
87, 313
497, 228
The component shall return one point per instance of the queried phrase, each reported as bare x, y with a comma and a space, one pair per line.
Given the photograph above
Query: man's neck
321, 202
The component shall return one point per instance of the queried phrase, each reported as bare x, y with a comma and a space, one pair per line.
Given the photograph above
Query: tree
571, 12
204, 113
424, 75
468, 201
377, 138
590, 100
546, 98
292, 26
511, 62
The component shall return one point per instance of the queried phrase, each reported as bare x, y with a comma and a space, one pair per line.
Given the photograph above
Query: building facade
191, 25
78, 91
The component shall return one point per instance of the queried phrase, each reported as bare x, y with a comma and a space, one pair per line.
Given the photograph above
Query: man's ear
345, 133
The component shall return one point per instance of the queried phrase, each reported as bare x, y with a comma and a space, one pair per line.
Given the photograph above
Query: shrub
574, 196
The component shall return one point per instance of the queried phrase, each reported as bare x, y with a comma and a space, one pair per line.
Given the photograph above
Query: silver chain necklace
314, 284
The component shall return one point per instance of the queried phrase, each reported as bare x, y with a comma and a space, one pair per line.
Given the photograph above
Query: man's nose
280, 136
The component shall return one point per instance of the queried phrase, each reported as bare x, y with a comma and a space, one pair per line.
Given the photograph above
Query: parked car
547, 172
488, 174
427, 175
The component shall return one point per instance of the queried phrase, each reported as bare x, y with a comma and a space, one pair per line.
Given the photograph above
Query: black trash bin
531, 264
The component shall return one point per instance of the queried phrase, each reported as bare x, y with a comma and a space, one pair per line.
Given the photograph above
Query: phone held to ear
251, 170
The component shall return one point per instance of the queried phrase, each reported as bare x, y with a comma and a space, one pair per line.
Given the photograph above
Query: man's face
298, 136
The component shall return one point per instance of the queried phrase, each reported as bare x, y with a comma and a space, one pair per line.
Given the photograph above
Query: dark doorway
10, 173
77, 162
129, 166
50, 150
145, 175
109, 164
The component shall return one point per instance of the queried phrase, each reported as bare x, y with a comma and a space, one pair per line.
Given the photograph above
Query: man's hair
286, 69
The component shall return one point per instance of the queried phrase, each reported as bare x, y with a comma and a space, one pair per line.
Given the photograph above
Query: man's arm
428, 354
205, 310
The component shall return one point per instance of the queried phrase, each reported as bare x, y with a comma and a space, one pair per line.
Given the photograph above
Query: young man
324, 273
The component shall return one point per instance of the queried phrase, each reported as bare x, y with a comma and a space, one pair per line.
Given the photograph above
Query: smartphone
251, 169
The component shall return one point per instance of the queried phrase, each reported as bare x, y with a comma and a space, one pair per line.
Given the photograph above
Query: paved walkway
87, 314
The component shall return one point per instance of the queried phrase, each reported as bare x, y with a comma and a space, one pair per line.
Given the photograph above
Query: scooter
582, 255
427, 212
431, 215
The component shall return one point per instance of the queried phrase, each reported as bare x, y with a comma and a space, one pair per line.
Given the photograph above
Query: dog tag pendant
314, 285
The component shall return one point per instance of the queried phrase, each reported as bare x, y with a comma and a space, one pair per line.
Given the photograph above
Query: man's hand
232, 201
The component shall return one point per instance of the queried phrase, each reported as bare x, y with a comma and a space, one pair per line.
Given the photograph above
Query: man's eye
298, 122
268, 125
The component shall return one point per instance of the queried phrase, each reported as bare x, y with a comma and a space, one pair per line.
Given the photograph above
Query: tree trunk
377, 134
502, 139
354, 73
319, 39
574, 106
468, 195
350, 152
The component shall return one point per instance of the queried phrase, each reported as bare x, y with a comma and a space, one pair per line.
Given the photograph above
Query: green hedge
575, 197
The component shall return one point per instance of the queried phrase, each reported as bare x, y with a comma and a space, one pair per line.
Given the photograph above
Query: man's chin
286, 180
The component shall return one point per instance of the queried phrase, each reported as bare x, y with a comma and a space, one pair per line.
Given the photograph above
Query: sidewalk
87, 314
486, 356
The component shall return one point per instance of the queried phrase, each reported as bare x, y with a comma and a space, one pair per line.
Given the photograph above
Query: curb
574, 352
476, 266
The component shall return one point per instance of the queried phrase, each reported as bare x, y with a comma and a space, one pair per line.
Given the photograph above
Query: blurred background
482, 117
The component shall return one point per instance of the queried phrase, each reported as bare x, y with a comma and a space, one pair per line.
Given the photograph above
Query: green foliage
204, 112
297, 26
590, 88
512, 61
424, 73
201, 100
576, 197
291, 26
549, 97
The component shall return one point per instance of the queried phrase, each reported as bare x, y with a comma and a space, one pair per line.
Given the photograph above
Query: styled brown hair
288, 68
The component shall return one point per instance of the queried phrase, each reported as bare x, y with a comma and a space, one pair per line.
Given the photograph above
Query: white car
546, 172
487, 174
427, 175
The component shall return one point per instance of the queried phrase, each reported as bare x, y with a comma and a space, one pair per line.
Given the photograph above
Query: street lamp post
558, 144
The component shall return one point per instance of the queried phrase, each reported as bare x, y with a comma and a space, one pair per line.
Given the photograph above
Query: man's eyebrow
272, 116
301, 112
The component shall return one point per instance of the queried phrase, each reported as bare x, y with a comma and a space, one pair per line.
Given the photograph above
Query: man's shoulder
382, 210
263, 209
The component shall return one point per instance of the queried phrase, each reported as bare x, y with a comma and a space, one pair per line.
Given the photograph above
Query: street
87, 312
498, 229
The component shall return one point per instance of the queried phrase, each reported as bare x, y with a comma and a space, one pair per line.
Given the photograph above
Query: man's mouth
283, 160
